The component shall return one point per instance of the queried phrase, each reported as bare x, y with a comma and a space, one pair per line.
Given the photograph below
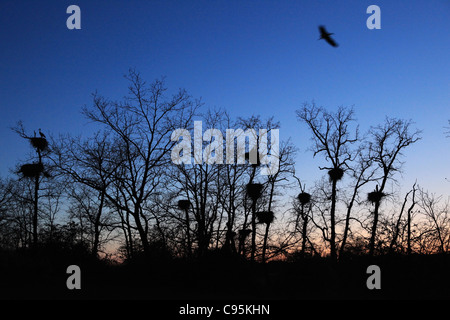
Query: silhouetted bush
298, 255
159, 251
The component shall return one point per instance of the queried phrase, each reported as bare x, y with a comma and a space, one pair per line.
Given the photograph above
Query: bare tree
437, 221
232, 200
332, 138
7, 233
276, 180
256, 189
199, 183
93, 163
302, 216
142, 124
35, 171
396, 230
362, 174
387, 143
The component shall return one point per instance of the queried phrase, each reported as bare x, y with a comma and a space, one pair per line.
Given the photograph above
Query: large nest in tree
184, 204
336, 174
375, 196
304, 198
244, 233
254, 190
265, 217
31, 170
39, 143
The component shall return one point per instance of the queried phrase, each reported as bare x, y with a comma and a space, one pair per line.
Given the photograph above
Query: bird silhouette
326, 36
41, 134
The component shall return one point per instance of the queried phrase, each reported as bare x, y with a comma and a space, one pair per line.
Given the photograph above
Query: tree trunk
347, 220
304, 230
35, 211
188, 235
36, 199
408, 235
243, 237
97, 224
397, 226
333, 253
266, 235
130, 235
374, 229
141, 230
229, 245
253, 249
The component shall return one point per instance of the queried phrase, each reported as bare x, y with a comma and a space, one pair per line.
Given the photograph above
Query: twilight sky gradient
248, 57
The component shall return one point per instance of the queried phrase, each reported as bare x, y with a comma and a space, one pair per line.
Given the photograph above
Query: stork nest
244, 233
254, 190
31, 170
336, 174
266, 217
184, 204
304, 198
39, 143
375, 196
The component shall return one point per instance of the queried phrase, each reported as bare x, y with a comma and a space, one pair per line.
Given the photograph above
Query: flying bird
326, 36
41, 134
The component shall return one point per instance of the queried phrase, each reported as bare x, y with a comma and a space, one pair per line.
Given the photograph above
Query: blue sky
248, 57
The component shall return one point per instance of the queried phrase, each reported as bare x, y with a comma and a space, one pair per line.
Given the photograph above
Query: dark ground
26, 275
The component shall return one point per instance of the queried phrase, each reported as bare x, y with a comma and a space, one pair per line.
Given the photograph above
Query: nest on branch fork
254, 190
304, 198
265, 217
336, 174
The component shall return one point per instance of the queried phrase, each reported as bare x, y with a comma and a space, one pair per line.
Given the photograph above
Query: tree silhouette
254, 191
185, 205
214, 227
142, 125
437, 215
285, 171
92, 163
331, 138
34, 171
362, 173
387, 144
397, 225
304, 199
